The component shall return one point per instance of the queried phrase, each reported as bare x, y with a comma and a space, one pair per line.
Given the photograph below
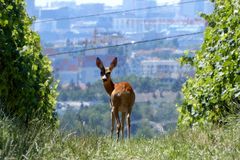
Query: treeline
148, 119
96, 91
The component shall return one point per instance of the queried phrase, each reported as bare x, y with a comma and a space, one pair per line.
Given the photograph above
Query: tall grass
43, 143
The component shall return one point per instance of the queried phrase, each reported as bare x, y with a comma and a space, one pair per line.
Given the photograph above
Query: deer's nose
104, 77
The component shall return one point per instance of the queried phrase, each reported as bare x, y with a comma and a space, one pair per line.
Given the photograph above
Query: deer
122, 98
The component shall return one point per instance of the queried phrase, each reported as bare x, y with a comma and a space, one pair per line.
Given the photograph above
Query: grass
44, 144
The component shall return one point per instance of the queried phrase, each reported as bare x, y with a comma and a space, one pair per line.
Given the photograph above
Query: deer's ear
99, 63
113, 64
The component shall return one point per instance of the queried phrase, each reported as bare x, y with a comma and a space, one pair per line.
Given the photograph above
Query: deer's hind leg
128, 123
123, 120
115, 112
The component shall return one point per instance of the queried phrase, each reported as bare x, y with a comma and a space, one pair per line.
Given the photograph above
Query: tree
27, 87
214, 92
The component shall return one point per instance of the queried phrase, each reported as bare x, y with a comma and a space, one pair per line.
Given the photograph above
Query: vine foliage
214, 92
27, 88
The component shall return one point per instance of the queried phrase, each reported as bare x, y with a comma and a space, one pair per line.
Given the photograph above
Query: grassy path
217, 143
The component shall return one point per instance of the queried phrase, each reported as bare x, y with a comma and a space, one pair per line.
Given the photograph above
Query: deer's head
105, 72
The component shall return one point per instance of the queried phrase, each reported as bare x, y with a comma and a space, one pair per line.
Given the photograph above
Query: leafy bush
27, 88
214, 91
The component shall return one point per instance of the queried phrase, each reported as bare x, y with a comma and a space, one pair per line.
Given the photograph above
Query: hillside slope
40, 143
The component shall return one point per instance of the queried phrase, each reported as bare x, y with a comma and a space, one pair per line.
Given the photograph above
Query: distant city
74, 35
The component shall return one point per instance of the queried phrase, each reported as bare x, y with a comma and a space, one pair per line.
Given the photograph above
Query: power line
126, 44
117, 12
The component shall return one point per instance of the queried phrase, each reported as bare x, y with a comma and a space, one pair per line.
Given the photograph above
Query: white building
158, 68
142, 25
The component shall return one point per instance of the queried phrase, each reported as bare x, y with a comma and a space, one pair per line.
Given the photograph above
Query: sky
108, 2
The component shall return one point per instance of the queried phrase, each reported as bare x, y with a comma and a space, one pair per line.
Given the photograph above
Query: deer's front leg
113, 122
112, 118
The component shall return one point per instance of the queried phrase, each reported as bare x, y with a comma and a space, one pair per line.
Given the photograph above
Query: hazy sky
108, 2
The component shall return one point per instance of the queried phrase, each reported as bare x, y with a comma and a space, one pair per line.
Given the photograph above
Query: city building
142, 25
157, 68
90, 32
90, 9
66, 69
192, 10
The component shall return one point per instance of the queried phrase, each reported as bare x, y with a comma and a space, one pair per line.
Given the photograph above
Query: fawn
122, 97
